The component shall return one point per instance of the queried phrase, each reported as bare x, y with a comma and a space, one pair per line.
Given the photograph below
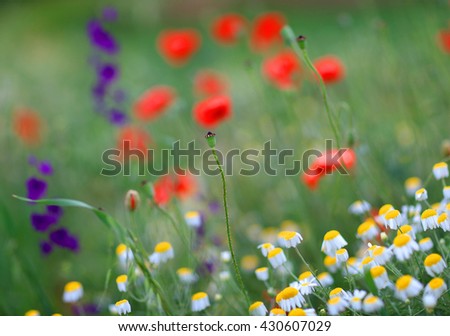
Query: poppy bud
211, 139
132, 200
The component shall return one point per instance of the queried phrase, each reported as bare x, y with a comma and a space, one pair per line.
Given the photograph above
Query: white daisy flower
332, 241
276, 257
429, 219
162, 253
380, 277
325, 279
290, 298
353, 266
446, 192
382, 255
33, 312
187, 275
382, 213
367, 230
331, 263
289, 238
429, 302
225, 256
123, 307
404, 246
193, 219
434, 264
277, 312
356, 299
406, 287
262, 273
393, 219
266, 248
367, 263
124, 255
412, 184
421, 195
302, 312
342, 255
257, 309
73, 291
440, 170
436, 287
307, 276
407, 229
426, 244
359, 207
337, 305
199, 301
372, 304
444, 222
305, 286
338, 291
122, 282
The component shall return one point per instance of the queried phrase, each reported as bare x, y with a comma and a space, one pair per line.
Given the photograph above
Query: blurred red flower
27, 126
282, 70
330, 69
266, 31
325, 164
209, 83
227, 28
444, 40
163, 190
154, 102
184, 185
212, 111
178, 46
131, 141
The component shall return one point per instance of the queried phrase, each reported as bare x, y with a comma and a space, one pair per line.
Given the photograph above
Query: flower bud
132, 200
211, 139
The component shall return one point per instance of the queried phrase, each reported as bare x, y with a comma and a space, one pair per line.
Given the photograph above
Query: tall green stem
227, 222
301, 52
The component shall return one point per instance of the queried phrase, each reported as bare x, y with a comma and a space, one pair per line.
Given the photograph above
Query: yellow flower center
330, 235
255, 305
162, 247
261, 269
432, 259
379, 250
440, 165
420, 191
351, 261
336, 291
72, 286
392, 214
334, 300
121, 248
341, 251
121, 302
305, 275
367, 260
249, 262
403, 282
384, 209
402, 240
404, 229
376, 271
32, 312
371, 300
199, 296
329, 261
277, 311
413, 182
428, 213
266, 245
442, 218
287, 235
192, 214
297, 312
121, 278
436, 283
364, 227
184, 271
276, 251
425, 240
287, 293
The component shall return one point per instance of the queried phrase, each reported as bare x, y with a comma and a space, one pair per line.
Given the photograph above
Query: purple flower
64, 239
45, 167
32, 160
41, 222
208, 267
117, 117
86, 309
36, 188
55, 211
99, 91
109, 14
46, 248
214, 206
108, 73
101, 39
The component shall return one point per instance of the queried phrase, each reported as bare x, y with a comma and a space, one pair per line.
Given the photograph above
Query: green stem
301, 51
307, 265
227, 222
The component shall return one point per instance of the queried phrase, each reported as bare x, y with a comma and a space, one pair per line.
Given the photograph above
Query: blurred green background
394, 100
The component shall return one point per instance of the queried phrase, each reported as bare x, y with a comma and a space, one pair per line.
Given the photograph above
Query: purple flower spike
101, 39
117, 117
46, 248
109, 14
64, 239
36, 188
108, 73
55, 211
41, 222
46, 168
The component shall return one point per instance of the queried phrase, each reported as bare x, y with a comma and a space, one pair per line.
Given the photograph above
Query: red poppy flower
325, 164
282, 70
266, 31
27, 126
330, 69
212, 111
444, 40
163, 190
178, 46
209, 83
154, 102
228, 28
132, 141
184, 185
